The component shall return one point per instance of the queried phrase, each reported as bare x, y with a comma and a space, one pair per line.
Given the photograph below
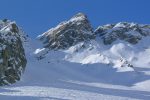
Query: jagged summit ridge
129, 32
79, 29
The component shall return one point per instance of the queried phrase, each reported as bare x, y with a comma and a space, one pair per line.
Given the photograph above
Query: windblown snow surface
89, 72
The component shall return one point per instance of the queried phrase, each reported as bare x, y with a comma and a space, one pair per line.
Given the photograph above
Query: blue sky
37, 16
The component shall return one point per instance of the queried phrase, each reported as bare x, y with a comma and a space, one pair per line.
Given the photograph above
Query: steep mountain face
68, 33
12, 55
129, 32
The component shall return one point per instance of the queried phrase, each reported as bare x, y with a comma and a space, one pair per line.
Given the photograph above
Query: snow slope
88, 73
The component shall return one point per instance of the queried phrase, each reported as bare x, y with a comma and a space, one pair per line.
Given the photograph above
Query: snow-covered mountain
73, 61
116, 44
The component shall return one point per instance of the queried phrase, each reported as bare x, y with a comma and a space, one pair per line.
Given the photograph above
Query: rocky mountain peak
79, 17
68, 33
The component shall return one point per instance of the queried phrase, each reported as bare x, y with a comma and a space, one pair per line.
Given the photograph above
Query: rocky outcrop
68, 33
12, 55
129, 32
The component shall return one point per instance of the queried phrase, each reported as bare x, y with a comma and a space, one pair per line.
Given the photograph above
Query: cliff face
12, 55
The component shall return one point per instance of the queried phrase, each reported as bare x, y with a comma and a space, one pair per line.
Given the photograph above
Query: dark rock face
129, 32
68, 33
12, 55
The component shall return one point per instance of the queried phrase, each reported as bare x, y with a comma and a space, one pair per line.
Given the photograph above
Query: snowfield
89, 73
